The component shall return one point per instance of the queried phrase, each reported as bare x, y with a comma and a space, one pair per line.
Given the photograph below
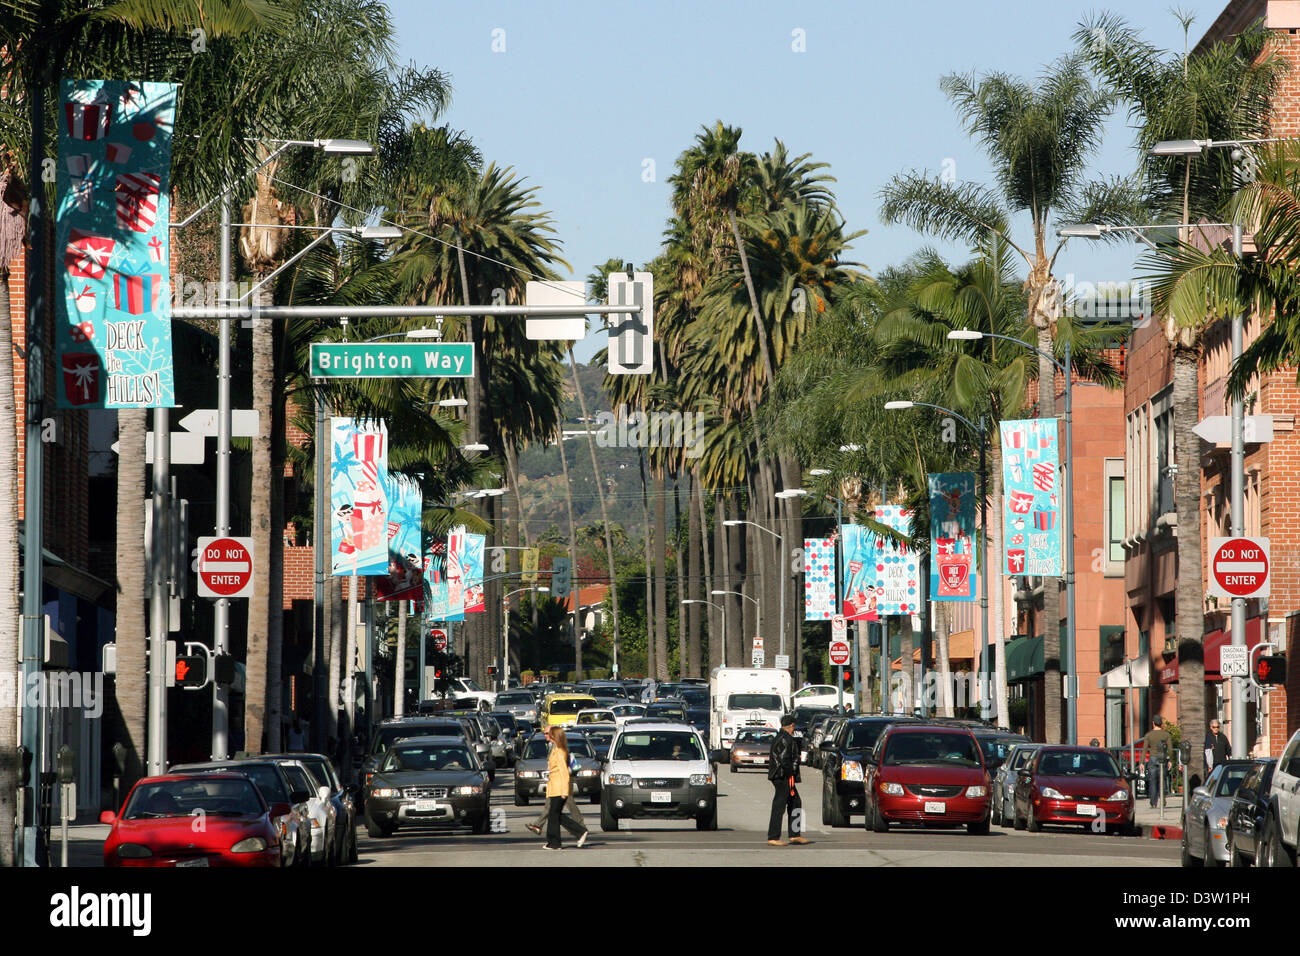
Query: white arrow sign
203, 421
555, 327
187, 448
1217, 429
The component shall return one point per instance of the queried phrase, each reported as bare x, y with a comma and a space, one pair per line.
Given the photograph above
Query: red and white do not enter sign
225, 567
1239, 567
439, 638
840, 653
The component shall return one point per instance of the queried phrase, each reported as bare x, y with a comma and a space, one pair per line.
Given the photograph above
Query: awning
1025, 659
1212, 643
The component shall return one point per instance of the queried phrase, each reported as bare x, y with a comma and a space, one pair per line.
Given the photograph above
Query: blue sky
593, 102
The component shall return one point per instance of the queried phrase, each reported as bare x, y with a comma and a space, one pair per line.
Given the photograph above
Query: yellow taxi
563, 708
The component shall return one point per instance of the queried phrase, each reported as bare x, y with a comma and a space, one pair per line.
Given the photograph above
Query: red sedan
927, 775
217, 819
1073, 785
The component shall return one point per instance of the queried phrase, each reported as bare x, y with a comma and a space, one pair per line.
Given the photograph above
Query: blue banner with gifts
818, 579
405, 578
1031, 509
112, 297
952, 536
358, 496
880, 575
472, 565
435, 580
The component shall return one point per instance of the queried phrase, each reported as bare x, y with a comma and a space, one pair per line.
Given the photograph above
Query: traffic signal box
1270, 669
848, 678
191, 670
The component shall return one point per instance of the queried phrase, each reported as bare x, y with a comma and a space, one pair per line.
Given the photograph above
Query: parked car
321, 814
344, 849
1205, 818
750, 748
812, 736
1073, 786
530, 769
843, 763
1282, 828
511, 729
1248, 814
819, 695
1004, 781
428, 781
828, 732
155, 824
927, 774
996, 744
660, 770
288, 805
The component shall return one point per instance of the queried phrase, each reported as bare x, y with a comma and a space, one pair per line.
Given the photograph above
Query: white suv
1282, 828
659, 770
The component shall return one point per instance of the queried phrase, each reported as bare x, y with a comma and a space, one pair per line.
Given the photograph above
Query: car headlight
893, 789
588, 773
1051, 793
701, 779
851, 770
468, 791
530, 714
385, 792
527, 773
1221, 823
249, 845
133, 851
1120, 794
619, 780
977, 791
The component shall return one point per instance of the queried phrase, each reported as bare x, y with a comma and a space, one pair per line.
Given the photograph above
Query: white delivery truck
741, 697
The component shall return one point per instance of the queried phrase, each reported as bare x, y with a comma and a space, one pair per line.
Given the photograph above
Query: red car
928, 775
1073, 785
217, 819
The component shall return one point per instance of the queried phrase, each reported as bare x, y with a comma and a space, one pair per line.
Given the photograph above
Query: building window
1164, 476
1115, 500
1111, 643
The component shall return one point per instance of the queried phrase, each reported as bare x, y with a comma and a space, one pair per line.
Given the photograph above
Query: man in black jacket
783, 771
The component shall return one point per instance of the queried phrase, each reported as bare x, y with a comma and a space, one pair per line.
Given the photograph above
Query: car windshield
659, 710
506, 722
572, 705
1077, 763
521, 697
539, 749
298, 778
1231, 779
658, 745
755, 736
318, 772
695, 698
1022, 758
469, 684
600, 739
196, 797
385, 737
598, 717
428, 757
863, 736
932, 748
628, 710
754, 702
995, 749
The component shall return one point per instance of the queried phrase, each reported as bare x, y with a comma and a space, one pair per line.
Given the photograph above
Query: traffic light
848, 678
191, 671
223, 669
1270, 669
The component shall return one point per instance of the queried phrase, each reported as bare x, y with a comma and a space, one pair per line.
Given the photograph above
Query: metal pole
1069, 663
420, 691
221, 613
886, 705
159, 554
320, 672
1238, 712
785, 586
986, 682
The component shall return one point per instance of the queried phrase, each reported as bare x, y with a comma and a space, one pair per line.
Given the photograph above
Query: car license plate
660, 796
201, 861
426, 806
1086, 810
936, 806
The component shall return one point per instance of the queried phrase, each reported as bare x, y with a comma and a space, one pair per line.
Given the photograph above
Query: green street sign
392, 360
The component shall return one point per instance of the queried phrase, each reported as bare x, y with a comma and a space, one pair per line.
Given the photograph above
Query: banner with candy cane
113, 338
405, 578
1030, 512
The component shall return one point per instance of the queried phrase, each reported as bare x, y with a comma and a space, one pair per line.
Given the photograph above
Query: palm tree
1039, 137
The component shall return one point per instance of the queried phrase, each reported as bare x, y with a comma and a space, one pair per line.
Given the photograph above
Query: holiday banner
952, 536
818, 579
1031, 518
472, 566
405, 578
456, 574
880, 576
112, 299
435, 576
358, 500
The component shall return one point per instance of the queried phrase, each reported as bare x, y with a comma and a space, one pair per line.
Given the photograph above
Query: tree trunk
275, 557
709, 655
996, 585
333, 612
1053, 706
661, 575
10, 611
259, 605
348, 671
1190, 613
721, 580
734, 603
651, 649
679, 566
943, 698
759, 329
573, 540
693, 570
132, 631
399, 668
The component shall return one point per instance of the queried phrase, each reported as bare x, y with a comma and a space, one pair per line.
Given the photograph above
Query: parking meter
65, 762
1185, 751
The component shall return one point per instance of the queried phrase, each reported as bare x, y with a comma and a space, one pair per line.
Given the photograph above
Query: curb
1161, 832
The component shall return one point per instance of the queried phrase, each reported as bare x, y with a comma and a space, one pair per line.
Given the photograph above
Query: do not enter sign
439, 638
225, 567
1239, 567
840, 653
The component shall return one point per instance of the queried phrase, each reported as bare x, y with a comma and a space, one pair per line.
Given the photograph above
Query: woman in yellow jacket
557, 791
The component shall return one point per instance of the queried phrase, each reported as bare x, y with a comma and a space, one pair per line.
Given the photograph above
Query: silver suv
1282, 828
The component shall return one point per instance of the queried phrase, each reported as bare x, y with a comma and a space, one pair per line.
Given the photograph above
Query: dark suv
843, 763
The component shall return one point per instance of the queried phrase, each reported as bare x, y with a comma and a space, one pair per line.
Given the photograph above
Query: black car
600, 736
670, 709
812, 735
322, 771
1248, 814
391, 731
842, 755
428, 782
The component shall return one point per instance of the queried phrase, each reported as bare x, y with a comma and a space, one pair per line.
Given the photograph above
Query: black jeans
785, 801
556, 818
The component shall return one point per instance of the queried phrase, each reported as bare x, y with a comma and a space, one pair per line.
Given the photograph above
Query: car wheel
877, 820
826, 808
978, 828
352, 845
1207, 847
995, 815
376, 829
1185, 853
608, 822
1016, 820
1235, 859
709, 822
733, 768
838, 818
1031, 821
481, 824
521, 799
1276, 855
594, 798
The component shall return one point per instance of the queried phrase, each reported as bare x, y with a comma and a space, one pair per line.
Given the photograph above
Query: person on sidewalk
570, 805
783, 771
1218, 747
1158, 744
558, 789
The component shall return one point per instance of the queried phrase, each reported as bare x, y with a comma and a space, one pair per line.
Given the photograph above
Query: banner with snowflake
952, 536
112, 295
818, 579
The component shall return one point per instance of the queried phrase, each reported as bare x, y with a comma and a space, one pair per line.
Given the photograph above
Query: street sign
203, 421
631, 336
1217, 429
839, 627
439, 638
1234, 661
392, 360
225, 567
782, 662
563, 328
758, 643
840, 653
758, 658
187, 448
1239, 567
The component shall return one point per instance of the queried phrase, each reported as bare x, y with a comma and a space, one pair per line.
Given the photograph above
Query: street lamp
505, 631
1067, 497
757, 607
478, 446
984, 526
735, 523
723, 609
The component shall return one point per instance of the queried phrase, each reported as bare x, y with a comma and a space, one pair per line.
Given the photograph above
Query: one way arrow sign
1217, 429
203, 421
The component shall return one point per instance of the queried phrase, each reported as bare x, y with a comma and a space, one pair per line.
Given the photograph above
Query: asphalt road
740, 840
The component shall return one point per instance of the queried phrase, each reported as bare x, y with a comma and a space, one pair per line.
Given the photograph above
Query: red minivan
932, 775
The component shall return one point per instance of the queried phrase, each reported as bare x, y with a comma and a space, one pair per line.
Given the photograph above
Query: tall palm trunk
131, 681
651, 647
1053, 706
347, 720
709, 653
399, 668
255, 692
275, 558
694, 567
721, 579
679, 566
661, 574
1190, 614
736, 574
943, 699
333, 612
478, 417
997, 586
573, 539
10, 626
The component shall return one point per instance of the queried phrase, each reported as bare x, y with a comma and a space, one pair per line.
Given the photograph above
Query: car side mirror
1200, 792
108, 816
281, 809
826, 745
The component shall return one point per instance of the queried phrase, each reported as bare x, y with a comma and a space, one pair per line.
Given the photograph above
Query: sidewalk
85, 844
1148, 818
